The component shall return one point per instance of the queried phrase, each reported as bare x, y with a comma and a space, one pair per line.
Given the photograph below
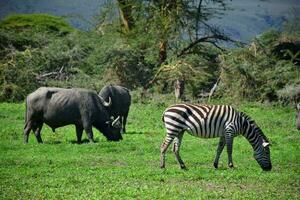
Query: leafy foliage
256, 73
43, 50
290, 93
130, 68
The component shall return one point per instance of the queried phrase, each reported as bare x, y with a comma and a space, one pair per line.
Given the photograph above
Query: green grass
61, 169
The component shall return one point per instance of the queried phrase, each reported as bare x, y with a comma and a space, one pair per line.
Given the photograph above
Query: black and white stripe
211, 121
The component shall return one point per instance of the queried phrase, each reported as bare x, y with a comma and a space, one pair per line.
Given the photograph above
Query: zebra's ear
265, 144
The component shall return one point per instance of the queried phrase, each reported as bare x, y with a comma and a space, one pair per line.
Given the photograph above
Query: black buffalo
59, 107
121, 101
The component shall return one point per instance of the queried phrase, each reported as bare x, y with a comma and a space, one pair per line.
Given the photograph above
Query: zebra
211, 121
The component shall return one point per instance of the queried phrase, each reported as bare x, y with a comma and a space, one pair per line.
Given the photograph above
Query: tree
171, 31
171, 21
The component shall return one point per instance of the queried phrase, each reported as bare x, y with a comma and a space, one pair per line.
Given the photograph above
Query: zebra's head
262, 155
259, 142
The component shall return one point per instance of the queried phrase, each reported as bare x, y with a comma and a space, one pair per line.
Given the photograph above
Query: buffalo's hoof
230, 165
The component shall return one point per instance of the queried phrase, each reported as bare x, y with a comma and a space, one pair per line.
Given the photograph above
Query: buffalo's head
298, 116
112, 129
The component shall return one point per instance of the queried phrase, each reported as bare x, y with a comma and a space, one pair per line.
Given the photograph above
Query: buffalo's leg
27, 129
219, 151
176, 149
79, 130
164, 146
37, 132
89, 131
124, 121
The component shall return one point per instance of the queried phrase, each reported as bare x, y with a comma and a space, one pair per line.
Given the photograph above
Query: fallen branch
60, 72
213, 89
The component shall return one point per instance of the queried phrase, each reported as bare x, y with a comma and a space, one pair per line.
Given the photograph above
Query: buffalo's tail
26, 113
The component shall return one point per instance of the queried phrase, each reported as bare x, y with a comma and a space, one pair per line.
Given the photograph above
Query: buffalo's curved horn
107, 104
115, 121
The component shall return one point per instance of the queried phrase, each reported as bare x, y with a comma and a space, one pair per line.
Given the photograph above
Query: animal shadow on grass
140, 133
83, 141
53, 142
133, 133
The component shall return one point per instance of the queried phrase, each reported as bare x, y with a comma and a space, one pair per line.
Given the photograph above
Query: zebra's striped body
211, 121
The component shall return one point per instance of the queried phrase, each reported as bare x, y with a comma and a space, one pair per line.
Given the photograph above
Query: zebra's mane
248, 118
252, 122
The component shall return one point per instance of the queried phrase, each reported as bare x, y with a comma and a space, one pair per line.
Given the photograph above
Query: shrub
129, 68
290, 93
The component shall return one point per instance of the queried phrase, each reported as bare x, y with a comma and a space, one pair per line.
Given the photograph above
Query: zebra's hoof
183, 167
162, 166
216, 165
230, 165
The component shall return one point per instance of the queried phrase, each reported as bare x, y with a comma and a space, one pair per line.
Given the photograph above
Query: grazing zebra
211, 121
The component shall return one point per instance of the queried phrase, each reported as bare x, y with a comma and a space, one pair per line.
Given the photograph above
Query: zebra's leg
219, 151
229, 142
164, 146
176, 149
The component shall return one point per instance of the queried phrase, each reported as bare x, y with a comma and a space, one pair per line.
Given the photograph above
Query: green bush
253, 74
31, 50
129, 68
16, 79
38, 22
290, 93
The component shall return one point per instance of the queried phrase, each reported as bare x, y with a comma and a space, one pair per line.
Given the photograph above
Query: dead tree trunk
179, 87
162, 52
125, 9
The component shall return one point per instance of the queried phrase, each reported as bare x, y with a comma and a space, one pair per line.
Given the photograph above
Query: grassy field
62, 169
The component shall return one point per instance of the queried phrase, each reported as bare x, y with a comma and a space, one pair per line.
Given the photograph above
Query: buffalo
121, 101
59, 107
298, 116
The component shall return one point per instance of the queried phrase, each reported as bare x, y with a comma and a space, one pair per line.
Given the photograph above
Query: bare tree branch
209, 39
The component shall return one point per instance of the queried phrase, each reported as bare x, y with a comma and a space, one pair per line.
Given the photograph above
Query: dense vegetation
39, 49
61, 169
